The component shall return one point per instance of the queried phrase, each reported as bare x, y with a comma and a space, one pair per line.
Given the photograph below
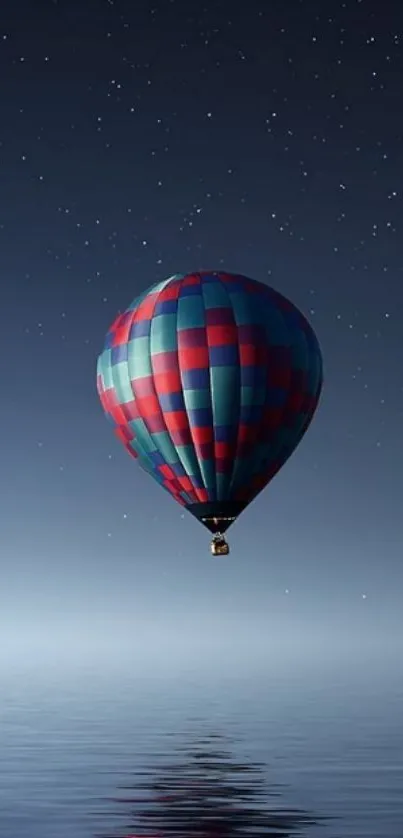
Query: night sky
142, 139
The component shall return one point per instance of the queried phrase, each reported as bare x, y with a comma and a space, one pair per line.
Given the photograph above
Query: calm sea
112, 752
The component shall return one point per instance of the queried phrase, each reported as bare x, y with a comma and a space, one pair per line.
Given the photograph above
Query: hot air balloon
211, 379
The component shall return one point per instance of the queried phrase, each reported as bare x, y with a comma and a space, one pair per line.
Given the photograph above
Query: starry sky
142, 139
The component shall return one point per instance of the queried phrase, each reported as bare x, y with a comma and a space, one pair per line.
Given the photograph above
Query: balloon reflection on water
206, 795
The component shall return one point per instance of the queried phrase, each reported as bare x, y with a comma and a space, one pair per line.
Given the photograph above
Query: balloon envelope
210, 379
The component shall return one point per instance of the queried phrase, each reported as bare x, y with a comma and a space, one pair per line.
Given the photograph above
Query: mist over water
161, 636
315, 732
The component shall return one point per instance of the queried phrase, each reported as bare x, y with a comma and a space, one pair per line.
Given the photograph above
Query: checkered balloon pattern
210, 380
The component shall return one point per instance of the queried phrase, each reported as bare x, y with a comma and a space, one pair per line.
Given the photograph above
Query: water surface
112, 752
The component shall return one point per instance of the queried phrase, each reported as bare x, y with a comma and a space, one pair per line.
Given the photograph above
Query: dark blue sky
143, 139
